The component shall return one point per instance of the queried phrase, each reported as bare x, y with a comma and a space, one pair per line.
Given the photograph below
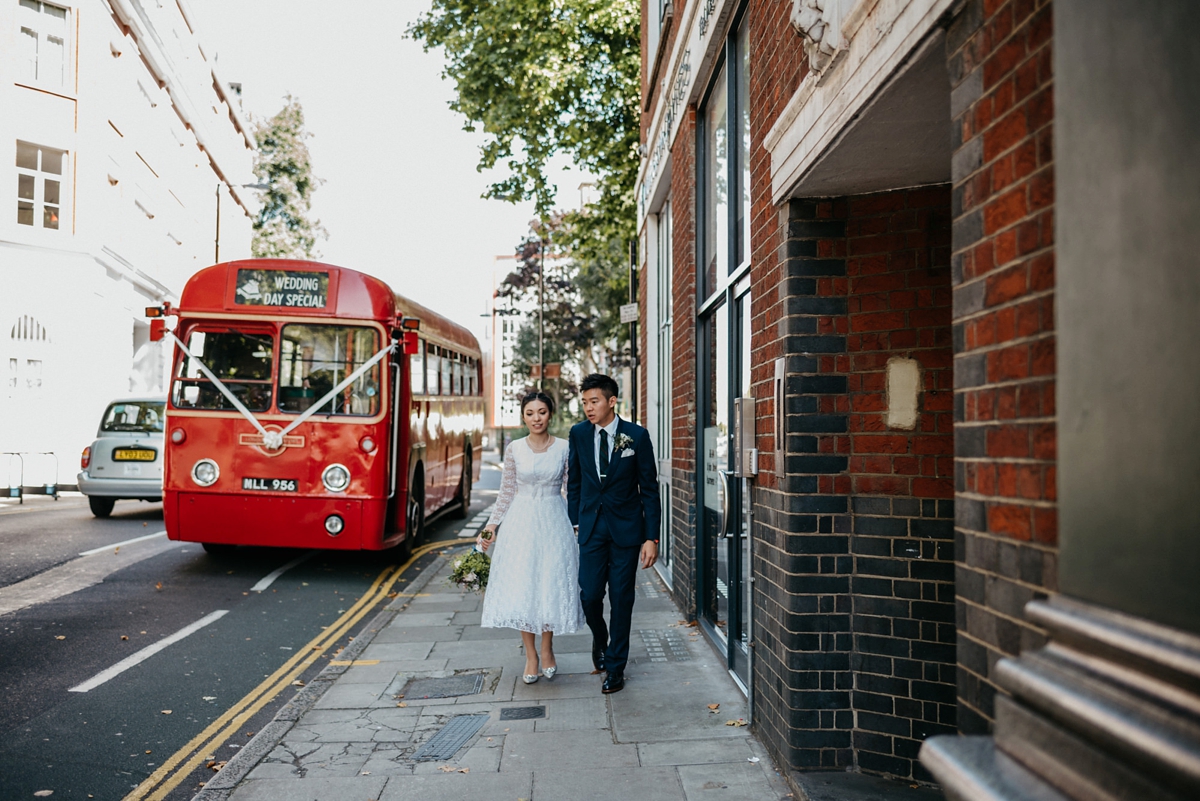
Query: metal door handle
726, 506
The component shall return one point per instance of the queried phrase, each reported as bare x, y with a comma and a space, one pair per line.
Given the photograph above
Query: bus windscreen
241, 361
316, 358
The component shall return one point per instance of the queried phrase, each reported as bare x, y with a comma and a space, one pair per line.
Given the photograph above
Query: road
72, 722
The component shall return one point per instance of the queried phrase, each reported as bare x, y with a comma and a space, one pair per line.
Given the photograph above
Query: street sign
629, 313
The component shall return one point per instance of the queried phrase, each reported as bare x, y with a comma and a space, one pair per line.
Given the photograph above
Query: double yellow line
183, 762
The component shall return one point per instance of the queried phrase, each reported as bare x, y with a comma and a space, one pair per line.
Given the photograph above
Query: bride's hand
485, 539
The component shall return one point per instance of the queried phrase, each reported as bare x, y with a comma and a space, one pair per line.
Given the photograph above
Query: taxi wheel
101, 507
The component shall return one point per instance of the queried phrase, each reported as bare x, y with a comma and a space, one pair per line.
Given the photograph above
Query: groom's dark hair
601, 382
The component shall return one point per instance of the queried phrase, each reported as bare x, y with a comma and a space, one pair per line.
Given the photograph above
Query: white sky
401, 198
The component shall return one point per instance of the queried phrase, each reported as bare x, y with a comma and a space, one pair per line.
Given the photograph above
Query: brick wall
897, 288
788, 704
1003, 269
683, 502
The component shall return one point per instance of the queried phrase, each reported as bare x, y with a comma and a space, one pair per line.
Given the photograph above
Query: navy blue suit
615, 516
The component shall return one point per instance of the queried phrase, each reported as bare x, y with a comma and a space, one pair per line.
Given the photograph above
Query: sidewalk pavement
371, 729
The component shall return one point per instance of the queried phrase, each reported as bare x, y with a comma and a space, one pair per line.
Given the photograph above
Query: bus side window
474, 373
416, 369
447, 373
432, 369
458, 375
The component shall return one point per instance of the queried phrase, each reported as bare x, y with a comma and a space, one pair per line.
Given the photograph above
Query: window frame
377, 401
729, 71
25, 21
39, 177
179, 381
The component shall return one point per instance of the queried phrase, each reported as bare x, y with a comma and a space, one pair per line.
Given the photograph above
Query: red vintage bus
312, 407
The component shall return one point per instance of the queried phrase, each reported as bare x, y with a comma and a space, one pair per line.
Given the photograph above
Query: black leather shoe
598, 658
613, 683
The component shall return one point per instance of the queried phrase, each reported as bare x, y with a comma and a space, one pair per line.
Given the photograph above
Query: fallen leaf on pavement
713, 708
166, 711
402, 704
297, 683
43, 793
446, 768
158, 585
142, 632
739, 722
464, 770
124, 636
59, 637
147, 750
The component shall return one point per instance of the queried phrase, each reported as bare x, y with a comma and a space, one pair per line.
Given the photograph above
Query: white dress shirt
611, 428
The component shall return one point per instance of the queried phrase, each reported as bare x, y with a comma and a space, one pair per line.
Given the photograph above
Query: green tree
542, 77
282, 228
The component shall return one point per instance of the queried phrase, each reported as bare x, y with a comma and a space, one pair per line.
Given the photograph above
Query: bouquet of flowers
470, 572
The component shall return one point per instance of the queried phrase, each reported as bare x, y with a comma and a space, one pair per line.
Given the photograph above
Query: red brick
881, 444
942, 487
881, 485
1045, 441
1013, 521
1008, 441
1006, 133
1043, 357
1045, 526
1005, 210
1006, 285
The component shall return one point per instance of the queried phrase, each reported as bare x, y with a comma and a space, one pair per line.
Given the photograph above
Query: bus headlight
334, 525
336, 478
205, 472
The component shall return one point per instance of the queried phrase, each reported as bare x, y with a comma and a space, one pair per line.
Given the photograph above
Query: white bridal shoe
548, 673
530, 678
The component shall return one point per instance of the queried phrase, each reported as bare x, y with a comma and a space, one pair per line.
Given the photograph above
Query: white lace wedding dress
533, 584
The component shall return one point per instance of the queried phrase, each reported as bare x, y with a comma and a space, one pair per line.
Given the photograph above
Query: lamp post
217, 239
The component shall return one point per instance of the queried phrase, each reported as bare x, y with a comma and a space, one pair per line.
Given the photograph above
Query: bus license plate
133, 455
269, 484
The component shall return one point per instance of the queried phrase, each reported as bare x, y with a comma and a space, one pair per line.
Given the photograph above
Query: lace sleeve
566, 472
508, 487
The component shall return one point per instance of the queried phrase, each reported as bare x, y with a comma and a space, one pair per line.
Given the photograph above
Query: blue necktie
603, 454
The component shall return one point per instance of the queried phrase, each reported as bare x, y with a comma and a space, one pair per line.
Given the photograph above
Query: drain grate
665, 646
445, 744
448, 687
523, 713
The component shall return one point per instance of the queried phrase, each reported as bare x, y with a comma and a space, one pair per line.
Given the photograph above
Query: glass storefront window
716, 187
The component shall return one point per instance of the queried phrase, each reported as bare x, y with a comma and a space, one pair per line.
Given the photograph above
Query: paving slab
695, 752
569, 781
460, 787
360, 788
744, 781
397, 651
573, 714
409, 633
558, 749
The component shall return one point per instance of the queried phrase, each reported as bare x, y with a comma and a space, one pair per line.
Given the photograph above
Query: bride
533, 583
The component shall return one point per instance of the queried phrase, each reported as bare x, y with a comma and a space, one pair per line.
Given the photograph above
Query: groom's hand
649, 554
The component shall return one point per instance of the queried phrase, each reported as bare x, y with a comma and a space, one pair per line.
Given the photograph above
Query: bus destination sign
287, 288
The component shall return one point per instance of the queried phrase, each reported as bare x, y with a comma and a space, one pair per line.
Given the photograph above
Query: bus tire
101, 507
217, 549
414, 527
463, 508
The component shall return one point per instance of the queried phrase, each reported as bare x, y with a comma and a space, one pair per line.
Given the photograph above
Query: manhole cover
444, 688
523, 713
445, 744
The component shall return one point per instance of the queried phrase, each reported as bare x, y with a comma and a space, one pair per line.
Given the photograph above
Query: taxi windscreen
134, 416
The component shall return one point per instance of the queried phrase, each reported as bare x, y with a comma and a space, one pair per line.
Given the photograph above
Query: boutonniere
622, 442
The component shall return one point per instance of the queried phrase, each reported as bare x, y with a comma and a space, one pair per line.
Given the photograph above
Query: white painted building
122, 141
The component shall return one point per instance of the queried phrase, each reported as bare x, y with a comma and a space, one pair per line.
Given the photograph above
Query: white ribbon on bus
273, 440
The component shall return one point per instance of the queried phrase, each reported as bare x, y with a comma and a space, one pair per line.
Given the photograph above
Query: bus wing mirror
158, 329
412, 345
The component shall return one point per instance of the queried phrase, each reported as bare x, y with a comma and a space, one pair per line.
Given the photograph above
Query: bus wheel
217, 548
464, 492
101, 507
414, 525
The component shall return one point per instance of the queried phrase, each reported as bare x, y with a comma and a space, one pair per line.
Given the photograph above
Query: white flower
458, 564
471, 577
622, 442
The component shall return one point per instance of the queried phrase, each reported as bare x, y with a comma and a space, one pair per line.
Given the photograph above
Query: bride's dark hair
537, 396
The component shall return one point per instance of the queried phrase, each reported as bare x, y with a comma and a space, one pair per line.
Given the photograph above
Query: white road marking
78, 574
119, 544
147, 652
269, 579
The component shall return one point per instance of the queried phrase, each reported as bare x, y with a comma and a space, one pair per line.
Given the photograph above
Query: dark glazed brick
970, 371
933, 529
970, 515
881, 526
872, 506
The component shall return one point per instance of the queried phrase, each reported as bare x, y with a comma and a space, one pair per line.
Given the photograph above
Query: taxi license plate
269, 484
134, 455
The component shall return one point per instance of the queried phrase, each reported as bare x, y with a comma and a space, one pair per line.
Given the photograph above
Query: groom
612, 500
